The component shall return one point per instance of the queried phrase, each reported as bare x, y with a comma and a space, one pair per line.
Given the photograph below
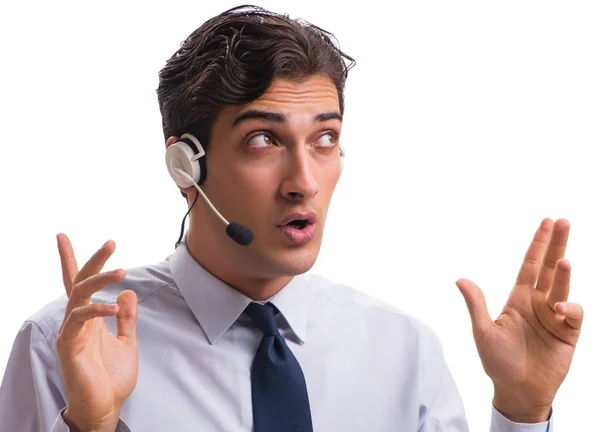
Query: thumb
127, 316
480, 317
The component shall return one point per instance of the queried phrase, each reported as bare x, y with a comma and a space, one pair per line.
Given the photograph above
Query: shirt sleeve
441, 407
32, 392
502, 424
61, 426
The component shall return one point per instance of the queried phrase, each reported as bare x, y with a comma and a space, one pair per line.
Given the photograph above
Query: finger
79, 316
573, 313
528, 274
67, 261
127, 316
82, 292
480, 318
561, 283
95, 264
556, 250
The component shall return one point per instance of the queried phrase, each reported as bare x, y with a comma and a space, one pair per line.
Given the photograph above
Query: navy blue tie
279, 396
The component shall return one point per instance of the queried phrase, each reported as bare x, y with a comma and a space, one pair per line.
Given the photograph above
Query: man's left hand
527, 351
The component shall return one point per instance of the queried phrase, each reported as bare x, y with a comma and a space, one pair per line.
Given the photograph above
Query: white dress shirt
368, 366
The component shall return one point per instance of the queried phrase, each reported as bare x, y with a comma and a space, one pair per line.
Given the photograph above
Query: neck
232, 267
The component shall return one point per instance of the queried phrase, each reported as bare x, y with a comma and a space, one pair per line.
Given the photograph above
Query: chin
298, 267
292, 262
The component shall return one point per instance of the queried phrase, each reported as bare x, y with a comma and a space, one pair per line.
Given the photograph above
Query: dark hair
233, 58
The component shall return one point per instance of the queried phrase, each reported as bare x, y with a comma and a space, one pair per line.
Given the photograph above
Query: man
231, 333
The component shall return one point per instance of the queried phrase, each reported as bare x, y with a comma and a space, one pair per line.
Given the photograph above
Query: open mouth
300, 229
298, 224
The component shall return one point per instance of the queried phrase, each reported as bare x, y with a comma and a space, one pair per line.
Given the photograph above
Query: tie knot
264, 317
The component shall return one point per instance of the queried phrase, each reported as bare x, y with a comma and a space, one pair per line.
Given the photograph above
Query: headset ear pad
188, 155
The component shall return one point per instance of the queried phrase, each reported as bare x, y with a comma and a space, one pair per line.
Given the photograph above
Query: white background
467, 123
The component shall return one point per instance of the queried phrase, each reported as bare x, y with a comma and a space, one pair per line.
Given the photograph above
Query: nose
300, 182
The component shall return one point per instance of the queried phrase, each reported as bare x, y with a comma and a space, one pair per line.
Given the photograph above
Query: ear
171, 140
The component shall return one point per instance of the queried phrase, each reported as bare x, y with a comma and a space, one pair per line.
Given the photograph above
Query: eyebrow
280, 118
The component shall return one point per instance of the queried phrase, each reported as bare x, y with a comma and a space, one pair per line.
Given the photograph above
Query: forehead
294, 99
316, 92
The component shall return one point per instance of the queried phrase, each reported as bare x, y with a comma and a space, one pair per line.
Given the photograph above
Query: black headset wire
183, 221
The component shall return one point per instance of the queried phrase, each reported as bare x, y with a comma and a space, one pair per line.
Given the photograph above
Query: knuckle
74, 314
78, 288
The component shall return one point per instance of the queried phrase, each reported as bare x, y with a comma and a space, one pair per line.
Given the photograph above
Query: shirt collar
217, 305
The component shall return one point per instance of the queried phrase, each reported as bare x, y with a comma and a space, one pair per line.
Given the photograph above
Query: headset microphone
239, 233
187, 167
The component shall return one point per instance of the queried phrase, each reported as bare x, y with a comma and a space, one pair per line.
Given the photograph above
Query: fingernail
561, 307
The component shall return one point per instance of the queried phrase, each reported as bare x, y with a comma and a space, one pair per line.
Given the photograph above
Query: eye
327, 140
261, 140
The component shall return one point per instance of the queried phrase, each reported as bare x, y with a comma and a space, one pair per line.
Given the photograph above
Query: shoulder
358, 309
342, 296
145, 281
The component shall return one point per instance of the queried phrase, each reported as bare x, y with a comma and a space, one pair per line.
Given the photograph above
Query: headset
186, 163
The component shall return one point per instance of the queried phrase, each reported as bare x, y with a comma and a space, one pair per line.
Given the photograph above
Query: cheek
330, 181
259, 185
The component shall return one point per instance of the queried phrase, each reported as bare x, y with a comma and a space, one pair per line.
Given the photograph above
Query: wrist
79, 424
521, 412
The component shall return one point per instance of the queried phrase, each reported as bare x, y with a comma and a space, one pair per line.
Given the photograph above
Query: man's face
273, 158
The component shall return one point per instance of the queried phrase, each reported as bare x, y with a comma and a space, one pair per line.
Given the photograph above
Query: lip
299, 236
309, 217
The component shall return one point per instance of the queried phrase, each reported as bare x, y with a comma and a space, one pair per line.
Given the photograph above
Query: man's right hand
100, 370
